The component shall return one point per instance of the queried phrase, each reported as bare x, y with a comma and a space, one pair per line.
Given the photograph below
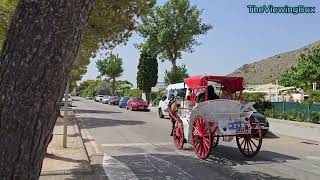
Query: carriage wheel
215, 136
178, 136
250, 144
201, 137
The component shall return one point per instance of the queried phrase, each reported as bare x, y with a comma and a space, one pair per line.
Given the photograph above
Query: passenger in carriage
211, 95
226, 94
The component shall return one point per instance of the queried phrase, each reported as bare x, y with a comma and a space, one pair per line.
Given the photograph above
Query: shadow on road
231, 156
99, 122
84, 111
161, 166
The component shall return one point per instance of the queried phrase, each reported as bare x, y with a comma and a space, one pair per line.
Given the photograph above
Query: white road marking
116, 170
313, 157
136, 144
171, 165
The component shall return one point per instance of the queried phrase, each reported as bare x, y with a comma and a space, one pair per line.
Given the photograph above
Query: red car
137, 104
114, 100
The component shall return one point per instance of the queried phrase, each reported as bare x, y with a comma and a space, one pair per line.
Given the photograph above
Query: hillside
268, 70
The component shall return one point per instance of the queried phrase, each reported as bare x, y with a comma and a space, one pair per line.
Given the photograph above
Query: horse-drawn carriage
203, 117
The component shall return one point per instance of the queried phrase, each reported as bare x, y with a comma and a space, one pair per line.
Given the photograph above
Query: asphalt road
137, 145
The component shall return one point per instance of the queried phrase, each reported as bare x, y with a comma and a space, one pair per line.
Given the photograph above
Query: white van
164, 102
182, 92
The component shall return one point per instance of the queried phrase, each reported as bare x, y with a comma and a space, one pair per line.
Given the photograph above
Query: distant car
114, 100
105, 99
98, 98
137, 104
69, 100
123, 102
263, 121
88, 97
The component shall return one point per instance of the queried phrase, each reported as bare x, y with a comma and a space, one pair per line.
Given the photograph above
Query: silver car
105, 99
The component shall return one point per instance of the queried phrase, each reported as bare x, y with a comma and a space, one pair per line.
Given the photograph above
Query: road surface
137, 145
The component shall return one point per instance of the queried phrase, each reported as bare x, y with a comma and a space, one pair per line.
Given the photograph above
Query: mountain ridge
268, 70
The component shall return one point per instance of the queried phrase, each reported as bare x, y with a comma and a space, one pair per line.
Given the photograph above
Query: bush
314, 117
133, 93
262, 106
176, 75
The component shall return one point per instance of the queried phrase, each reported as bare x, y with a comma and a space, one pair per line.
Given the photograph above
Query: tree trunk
174, 64
147, 91
113, 85
41, 45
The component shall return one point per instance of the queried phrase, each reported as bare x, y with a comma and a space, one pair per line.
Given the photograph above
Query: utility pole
65, 117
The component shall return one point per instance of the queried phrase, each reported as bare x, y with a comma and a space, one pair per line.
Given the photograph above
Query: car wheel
161, 113
264, 132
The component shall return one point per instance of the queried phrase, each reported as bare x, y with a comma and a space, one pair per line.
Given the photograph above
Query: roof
232, 84
176, 86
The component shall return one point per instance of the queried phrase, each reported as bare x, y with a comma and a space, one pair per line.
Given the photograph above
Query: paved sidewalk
70, 160
302, 130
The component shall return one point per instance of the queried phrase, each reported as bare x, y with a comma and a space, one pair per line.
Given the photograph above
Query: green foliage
155, 97
147, 75
101, 33
6, 9
305, 72
176, 75
294, 115
172, 29
103, 88
314, 117
254, 97
122, 86
260, 104
111, 67
87, 88
133, 93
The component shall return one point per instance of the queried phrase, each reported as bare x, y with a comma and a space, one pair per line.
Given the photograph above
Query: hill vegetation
269, 70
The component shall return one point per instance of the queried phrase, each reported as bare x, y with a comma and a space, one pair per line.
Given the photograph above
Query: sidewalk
70, 160
302, 130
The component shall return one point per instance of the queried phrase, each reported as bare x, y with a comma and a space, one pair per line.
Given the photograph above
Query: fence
290, 106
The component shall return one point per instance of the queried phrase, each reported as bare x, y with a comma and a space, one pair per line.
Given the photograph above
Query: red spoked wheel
201, 137
215, 135
178, 136
250, 144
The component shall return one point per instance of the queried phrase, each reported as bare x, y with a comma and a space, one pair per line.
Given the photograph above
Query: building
159, 86
274, 92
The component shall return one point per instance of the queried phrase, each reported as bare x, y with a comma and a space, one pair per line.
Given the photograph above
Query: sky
237, 38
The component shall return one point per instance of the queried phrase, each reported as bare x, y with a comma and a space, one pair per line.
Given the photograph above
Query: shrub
133, 93
314, 117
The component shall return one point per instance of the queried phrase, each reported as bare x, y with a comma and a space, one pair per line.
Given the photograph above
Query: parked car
69, 100
137, 104
167, 94
98, 98
263, 121
105, 99
123, 102
88, 97
114, 100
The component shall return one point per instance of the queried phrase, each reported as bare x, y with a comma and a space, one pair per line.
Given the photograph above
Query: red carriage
203, 117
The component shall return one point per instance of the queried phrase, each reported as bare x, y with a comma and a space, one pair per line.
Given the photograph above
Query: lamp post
65, 117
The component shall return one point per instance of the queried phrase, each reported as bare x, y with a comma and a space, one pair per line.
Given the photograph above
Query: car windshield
137, 100
105, 96
125, 98
69, 97
180, 92
251, 108
100, 95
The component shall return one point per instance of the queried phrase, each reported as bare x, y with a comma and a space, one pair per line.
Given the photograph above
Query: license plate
141, 107
235, 125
